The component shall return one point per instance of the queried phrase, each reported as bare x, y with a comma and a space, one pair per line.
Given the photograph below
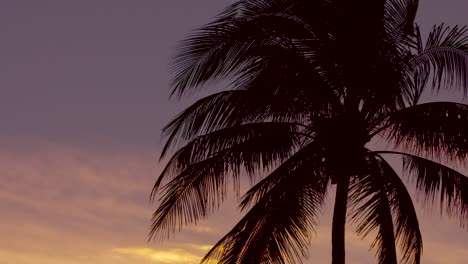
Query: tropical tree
312, 82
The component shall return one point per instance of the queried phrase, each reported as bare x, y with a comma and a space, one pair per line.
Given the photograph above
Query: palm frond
445, 56
249, 8
308, 156
368, 194
407, 232
189, 197
434, 179
202, 184
382, 201
293, 88
221, 110
399, 18
208, 113
413, 79
262, 101
384, 88
277, 228
227, 48
280, 140
437, 129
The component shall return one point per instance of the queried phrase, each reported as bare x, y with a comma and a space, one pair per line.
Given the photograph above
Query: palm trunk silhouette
339, 220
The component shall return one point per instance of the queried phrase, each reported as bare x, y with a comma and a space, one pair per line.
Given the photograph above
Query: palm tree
312, 83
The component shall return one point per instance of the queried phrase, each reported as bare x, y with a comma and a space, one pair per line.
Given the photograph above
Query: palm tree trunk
339, 220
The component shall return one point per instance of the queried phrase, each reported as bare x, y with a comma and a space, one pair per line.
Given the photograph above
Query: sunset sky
83, 97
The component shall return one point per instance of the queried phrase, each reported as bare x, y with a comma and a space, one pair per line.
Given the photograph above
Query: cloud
171, 256
202, 229
203, 248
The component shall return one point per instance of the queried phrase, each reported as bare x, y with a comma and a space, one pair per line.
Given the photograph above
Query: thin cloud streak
172, 256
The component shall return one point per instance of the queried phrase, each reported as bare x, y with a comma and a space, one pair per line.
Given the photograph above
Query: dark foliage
311, 83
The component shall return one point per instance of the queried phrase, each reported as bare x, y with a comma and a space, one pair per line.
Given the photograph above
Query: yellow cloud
202, 229
204, 248
169, 256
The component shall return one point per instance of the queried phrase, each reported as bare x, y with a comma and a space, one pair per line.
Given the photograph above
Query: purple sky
83, 97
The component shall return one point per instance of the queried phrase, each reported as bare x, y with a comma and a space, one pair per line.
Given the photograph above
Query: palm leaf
264, 98
437, 129
308, 154
202, 183
277, 228
445, 55
407, 232
249, 8
382, 196
434, 179
374, 211
222, 110
280, 140
227, 48
399, 18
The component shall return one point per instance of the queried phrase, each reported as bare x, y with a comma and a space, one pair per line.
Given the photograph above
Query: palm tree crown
313, 82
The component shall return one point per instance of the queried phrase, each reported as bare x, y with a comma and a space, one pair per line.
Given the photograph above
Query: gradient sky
83, 97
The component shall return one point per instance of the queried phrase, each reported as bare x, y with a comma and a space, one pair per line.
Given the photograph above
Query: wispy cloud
203, 229
171, 256
203, 248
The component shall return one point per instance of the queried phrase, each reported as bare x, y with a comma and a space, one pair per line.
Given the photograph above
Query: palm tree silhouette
312, 83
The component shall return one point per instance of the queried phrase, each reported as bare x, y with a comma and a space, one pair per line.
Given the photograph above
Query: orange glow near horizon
94, 209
